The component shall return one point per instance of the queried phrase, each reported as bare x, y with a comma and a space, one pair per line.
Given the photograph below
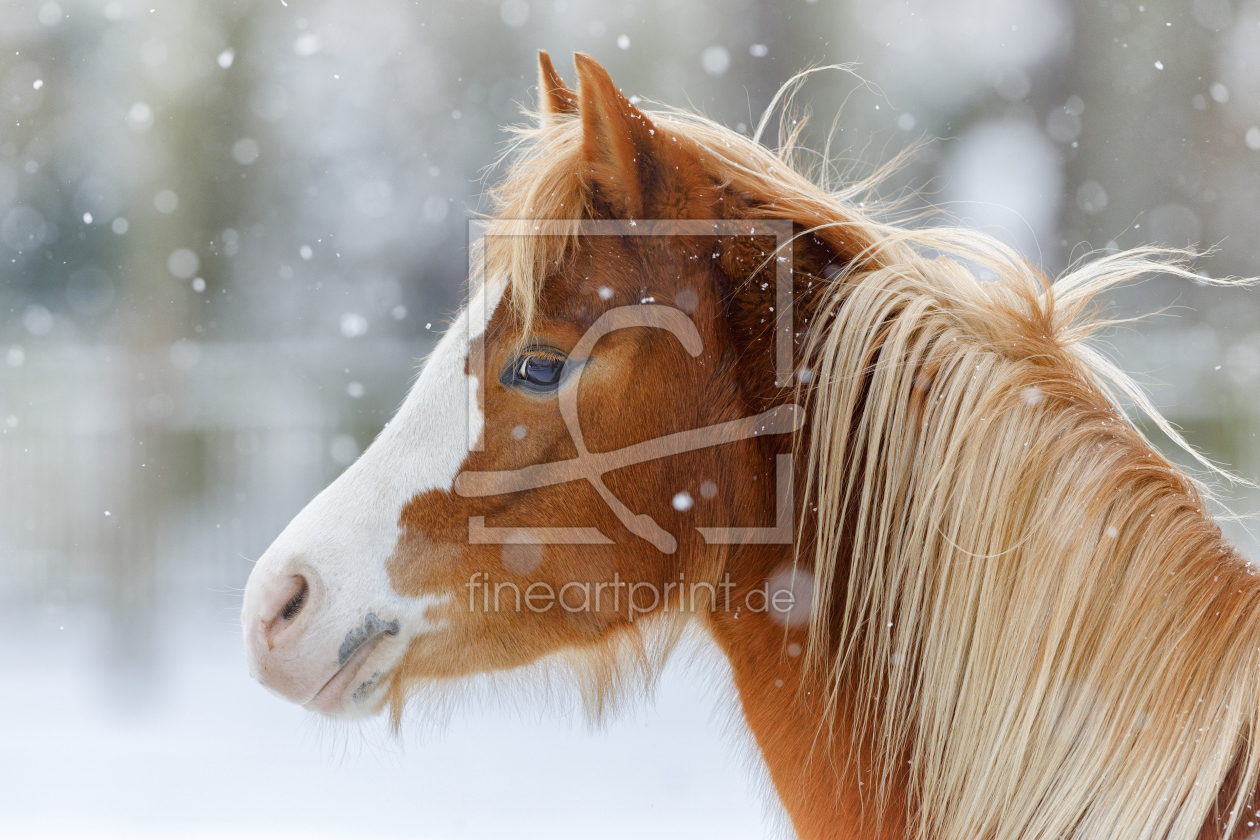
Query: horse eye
537, 371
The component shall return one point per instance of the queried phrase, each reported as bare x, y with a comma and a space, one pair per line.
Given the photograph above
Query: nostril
294, 605
287, 602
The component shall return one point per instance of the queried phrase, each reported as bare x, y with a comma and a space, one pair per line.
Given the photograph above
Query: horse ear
557, 98
617, 140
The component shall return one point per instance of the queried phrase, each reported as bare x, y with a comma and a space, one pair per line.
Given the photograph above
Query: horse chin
359, 689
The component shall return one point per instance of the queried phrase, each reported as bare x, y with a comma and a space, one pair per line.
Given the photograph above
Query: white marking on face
344, 537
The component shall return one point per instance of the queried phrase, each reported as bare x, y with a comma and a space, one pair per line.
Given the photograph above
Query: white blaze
347, 533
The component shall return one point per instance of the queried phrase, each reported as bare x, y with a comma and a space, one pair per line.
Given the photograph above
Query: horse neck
807, 753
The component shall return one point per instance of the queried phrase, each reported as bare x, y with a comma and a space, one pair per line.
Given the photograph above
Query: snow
715, 60
790, 596
343, 449
353, 325
24, 228
166, 201
245, 151
1091, 197
436, 209
140, 117
50, 14
514, 13
1063, 124
183, 263
307, 45
37, 320
183, 743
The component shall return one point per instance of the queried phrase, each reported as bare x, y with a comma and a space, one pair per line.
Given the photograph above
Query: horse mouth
330, 699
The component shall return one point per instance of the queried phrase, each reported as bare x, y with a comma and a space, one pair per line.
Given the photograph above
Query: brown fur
1025, 624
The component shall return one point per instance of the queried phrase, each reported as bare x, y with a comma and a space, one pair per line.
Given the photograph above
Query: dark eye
535, 370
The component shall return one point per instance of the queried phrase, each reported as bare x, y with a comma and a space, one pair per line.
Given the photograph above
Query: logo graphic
592, 466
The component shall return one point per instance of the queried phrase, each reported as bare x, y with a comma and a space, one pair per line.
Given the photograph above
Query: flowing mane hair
1020, 605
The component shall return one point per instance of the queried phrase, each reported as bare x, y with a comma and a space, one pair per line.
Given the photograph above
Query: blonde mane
1015, 592
1036, 611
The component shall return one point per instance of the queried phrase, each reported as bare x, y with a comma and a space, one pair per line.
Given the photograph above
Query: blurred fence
124, 475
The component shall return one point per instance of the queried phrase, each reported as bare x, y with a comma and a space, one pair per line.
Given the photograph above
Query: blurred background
229, 229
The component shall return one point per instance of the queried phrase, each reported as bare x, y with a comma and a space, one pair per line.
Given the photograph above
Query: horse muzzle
304, 648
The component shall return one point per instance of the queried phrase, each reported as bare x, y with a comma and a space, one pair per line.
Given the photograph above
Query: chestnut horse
960, 593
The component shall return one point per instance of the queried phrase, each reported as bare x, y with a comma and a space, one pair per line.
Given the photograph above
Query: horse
882, 466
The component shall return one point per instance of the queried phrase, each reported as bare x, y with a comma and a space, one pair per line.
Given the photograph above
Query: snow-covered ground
188, 746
